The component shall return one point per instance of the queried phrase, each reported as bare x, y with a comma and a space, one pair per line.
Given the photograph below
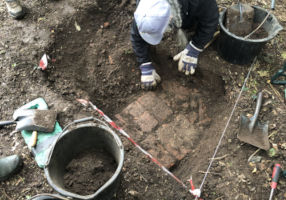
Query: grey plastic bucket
238, 50
77, 140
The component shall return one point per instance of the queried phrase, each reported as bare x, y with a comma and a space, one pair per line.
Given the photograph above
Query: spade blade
258, 137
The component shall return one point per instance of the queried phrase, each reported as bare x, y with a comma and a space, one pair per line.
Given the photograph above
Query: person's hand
149, 78
188, 59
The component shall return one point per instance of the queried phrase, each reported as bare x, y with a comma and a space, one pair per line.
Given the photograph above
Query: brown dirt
259, 34
88, 171
97, 63
246, 25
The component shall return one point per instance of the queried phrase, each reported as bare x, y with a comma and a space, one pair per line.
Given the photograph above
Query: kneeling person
151, 19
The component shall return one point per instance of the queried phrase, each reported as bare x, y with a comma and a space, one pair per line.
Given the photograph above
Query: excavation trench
92, 58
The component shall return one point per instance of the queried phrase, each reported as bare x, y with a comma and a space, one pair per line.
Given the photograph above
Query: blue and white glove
188, 59
149, 77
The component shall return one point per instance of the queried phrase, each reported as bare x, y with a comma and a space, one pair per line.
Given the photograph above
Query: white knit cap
152, 18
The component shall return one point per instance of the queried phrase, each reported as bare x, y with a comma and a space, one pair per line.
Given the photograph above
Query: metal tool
240, 12
281, 73
277, 80
275, 177
273, 5
33, 120
253, 132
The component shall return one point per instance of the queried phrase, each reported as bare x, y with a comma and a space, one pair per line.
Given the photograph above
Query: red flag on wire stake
43, 62
193, 190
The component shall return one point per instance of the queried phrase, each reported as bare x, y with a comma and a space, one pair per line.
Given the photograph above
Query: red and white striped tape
193, 191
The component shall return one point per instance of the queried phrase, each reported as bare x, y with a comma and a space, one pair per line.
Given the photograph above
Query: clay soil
91, 57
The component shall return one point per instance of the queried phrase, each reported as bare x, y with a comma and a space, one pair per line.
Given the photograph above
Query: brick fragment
135, 109
148, 100
172, 141
177, 137
180, 92
146, 122
153, 146
156, 106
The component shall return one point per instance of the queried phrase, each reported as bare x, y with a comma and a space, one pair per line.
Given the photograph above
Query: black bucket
238, 50
80, 139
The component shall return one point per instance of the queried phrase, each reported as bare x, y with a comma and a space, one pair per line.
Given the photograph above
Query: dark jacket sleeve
140, 47
205, 15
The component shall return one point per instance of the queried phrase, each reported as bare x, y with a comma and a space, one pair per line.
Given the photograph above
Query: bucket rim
112, 179
270, 36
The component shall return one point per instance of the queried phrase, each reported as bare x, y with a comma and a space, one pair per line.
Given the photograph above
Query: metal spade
253, 132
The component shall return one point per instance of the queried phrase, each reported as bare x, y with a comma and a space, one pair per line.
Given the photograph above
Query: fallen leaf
283, 146
262, 166
110, 60
106, 24
254, 170
272, 152
255, 159
41, 19
268, 59
245, 89
242, 178
283, 55
263, 73
251, 164
133, 193
275, 146
77, 27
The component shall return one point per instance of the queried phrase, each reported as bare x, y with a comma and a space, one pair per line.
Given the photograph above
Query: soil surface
88, 171
244, 26
91, 57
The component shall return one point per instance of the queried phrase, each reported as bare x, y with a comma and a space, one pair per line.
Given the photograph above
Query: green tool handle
281, 72
4, 123
257, 109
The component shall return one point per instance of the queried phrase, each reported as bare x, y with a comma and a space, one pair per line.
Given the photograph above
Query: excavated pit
79, 64
93, 58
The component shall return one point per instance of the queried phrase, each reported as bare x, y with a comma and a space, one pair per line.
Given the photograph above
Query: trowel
253, 132
33, 120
